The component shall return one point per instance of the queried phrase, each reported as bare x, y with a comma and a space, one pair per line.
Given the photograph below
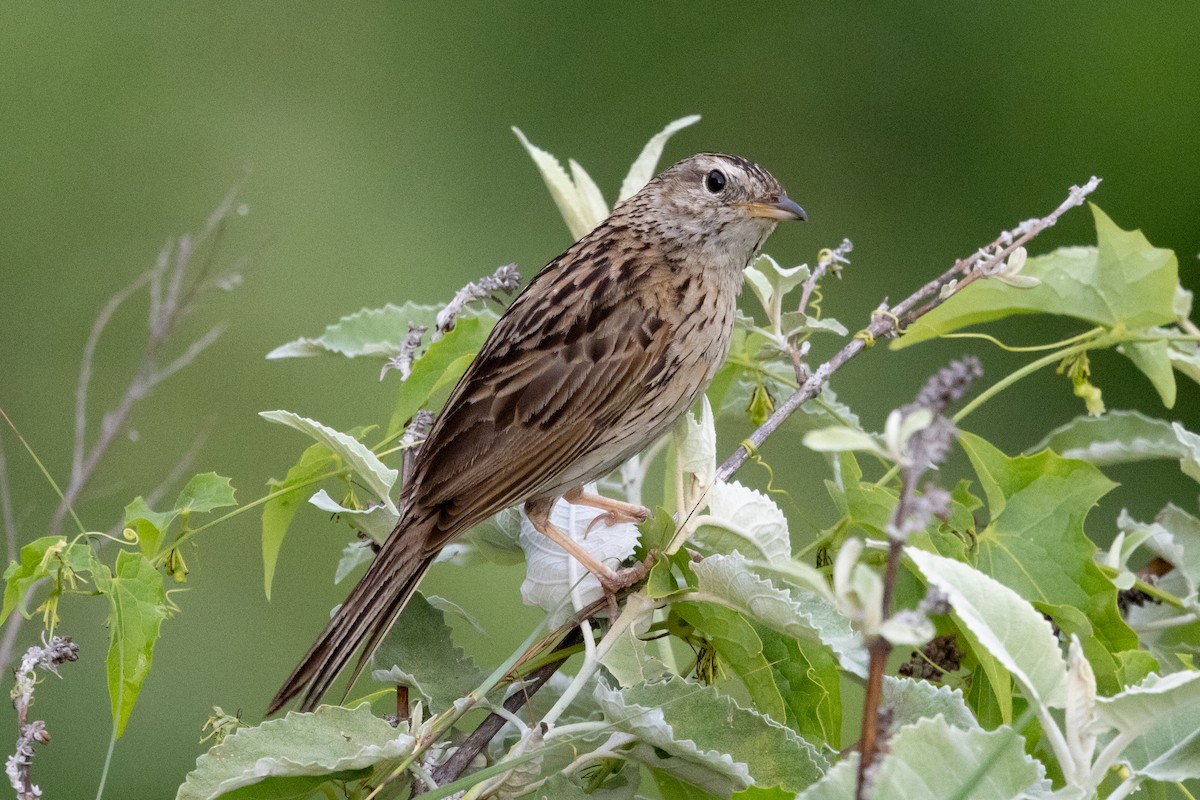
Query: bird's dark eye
715, 181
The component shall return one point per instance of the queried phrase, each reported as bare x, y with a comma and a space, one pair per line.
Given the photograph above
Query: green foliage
419, 652
439, 369
133, 586
137, 606
287, 495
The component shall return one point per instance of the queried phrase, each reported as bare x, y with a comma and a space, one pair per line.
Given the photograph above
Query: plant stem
1099, 340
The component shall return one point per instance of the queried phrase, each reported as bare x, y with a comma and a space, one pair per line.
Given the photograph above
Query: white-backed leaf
291, 757
1189, 462
591, 201
1139, 707
377, 521
696, 444
354, 555
800, 614
702, 732
934, 760
562, 188
743, 519
366, 465
1118, 437
1163, 710
646, 164
377, 332
1175, 536
910, 701
552, 575
1011, 629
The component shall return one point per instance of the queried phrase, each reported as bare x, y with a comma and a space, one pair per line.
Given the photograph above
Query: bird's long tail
364, 618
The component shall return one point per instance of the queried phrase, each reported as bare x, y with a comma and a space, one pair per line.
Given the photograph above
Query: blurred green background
372, 141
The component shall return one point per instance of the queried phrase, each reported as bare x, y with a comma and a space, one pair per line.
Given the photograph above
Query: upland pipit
608, 345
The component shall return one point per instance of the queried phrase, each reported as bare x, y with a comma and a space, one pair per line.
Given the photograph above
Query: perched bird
607, 347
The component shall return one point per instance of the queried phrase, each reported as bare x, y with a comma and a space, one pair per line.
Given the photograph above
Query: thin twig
168, 306
7, 517
889, 322
47, 657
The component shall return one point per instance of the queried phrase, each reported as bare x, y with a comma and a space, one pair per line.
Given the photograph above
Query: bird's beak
780, 208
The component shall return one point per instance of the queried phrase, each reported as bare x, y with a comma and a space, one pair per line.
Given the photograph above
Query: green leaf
149, 525
864, 505
137, 605
1154, 361
497, 538
354, 454
1118, 437
20, 575
560, 787
727, 579
807, 677
671, 788
375, 332
1123, 282
740, 650
278, 511
1035, 542
291, 757
419, 652
205, 492
440, 367
1135, 665
934, 760
839, 438
706, 739
771, 282
628, 659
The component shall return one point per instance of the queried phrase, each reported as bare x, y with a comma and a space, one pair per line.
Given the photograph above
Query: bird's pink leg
615, 511
611, 581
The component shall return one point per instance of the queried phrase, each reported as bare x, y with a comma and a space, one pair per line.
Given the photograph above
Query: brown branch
925, 449
454, 766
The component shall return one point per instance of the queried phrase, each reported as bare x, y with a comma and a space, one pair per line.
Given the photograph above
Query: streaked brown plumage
608, 345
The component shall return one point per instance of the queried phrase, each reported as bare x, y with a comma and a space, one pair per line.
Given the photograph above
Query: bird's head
719, 205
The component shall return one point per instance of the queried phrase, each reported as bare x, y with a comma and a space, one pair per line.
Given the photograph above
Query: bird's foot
613, 581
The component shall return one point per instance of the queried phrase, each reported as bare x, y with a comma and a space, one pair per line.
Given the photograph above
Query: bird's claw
623, 578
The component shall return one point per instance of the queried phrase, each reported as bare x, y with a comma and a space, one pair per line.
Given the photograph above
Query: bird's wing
549, 393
